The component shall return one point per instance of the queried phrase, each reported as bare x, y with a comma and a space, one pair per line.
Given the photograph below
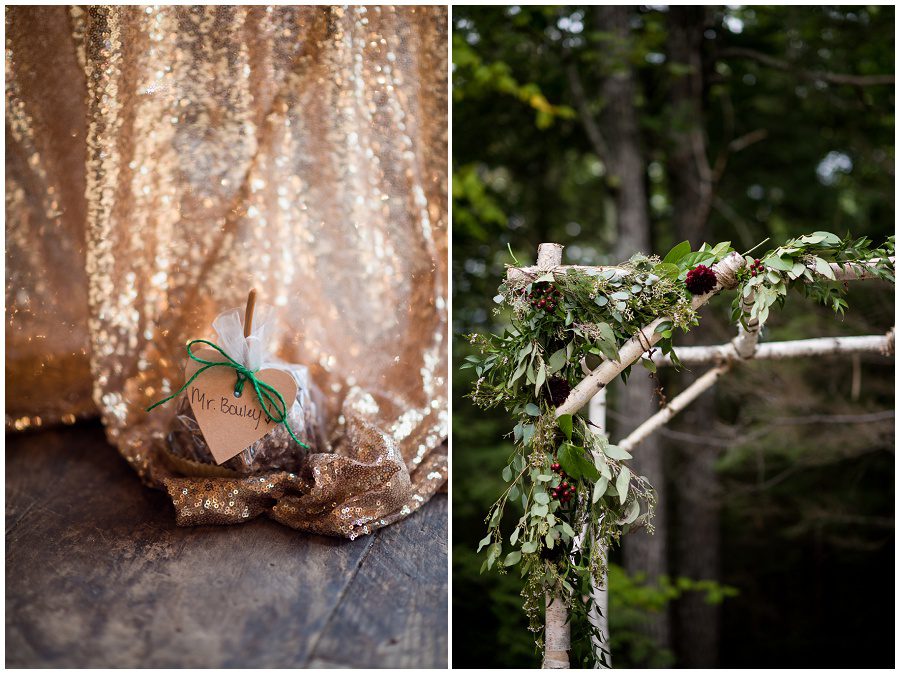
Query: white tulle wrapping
250, 351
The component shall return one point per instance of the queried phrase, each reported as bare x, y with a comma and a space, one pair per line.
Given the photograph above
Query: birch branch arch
576, 490
743, 347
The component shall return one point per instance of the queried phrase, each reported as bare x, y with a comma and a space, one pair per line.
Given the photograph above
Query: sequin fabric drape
161, 161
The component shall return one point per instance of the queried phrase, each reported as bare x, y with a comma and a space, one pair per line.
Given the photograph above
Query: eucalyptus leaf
599, 489
512, 558
540, 378
622, 482
532, 410
484, 541
557, 361
529, 547
613, 452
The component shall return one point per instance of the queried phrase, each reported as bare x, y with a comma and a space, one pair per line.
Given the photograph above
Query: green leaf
824, 268
557, 361
649, 364
542, 497
779, 263
515, 536
548, 541
506, 474
527, 434
540, 510
666, 270
678, 252
565, 425
546, 278
493, 553
613, 452
631, 514
599, 489
576, 459
540, 378
484, 541
568, 460
529, 547
532, 410
622, 482
512, 558
828, 237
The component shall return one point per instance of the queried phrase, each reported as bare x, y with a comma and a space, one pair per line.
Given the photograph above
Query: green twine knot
270, 400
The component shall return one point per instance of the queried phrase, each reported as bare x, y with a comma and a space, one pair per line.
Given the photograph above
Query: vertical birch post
599, 616
556, 619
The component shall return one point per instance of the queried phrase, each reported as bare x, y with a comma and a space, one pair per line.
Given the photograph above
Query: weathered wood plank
396, 606
98, 575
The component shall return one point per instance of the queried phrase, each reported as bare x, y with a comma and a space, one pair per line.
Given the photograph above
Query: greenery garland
574, 490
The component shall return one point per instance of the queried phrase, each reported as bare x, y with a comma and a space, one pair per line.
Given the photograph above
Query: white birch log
556, 634
798, 348
598, 615
747, 338
854, 271
676, 405
549, 256
642, 341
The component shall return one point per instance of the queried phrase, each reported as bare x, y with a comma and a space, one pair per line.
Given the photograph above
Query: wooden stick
248, 312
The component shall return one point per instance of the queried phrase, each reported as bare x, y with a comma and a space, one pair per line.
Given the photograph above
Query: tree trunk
642, 552
691, 186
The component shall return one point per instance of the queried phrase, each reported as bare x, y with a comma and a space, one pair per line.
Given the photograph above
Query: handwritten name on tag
229, 423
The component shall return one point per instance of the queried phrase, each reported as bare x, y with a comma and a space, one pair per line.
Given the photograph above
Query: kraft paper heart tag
229, 423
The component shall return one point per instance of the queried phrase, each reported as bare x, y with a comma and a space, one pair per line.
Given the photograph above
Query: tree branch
821, 75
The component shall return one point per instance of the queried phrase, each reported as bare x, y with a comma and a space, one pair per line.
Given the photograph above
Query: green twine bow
270, 400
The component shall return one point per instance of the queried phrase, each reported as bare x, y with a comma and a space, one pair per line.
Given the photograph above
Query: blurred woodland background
614, 130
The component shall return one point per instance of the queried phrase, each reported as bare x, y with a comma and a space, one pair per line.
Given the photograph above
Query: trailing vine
573, 491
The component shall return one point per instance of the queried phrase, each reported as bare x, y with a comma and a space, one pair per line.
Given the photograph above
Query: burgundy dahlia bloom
559, 390
700, 280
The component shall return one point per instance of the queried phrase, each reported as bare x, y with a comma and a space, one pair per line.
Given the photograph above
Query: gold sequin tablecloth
162, 160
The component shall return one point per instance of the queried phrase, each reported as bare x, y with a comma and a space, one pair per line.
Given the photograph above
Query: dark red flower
700, 280
559, 390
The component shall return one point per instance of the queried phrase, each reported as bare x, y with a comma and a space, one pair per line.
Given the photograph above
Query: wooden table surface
98, 575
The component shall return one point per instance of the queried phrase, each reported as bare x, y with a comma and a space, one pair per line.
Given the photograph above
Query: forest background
618, 129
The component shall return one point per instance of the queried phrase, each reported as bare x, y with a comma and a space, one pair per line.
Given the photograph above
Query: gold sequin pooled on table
299, 150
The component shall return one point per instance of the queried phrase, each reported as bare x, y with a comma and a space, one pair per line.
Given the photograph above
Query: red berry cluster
544, 297
756, 267
564, 492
